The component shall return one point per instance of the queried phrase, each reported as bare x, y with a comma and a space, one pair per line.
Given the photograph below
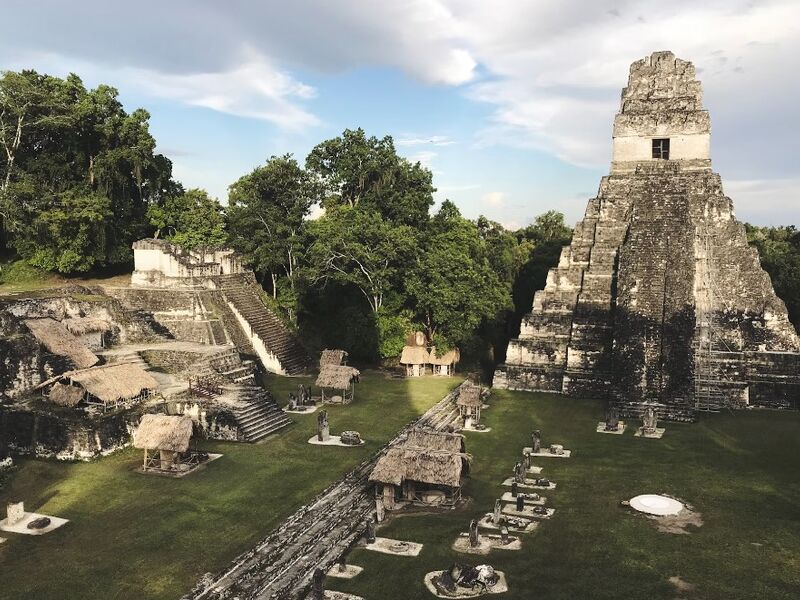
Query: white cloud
432, 140
766, 201
494, 199
425, 157
253, 89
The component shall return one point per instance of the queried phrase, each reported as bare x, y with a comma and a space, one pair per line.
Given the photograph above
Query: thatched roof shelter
84, 325
163, 432
115, 382
415, 355
65, 395
337, 377
333, 357
58, 340
470, 396
434, 440
403, 463
450, 357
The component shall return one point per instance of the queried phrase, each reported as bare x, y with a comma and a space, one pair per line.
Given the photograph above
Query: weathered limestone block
15, 512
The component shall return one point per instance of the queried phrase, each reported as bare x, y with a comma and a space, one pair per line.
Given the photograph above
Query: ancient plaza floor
139, 537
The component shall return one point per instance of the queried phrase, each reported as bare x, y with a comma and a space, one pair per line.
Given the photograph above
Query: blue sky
510, 103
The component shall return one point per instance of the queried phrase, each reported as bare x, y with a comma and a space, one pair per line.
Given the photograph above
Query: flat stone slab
498, 588
601, 428
333, 440
332, 595
546, 452
349, 572
534, 470
655, 504
178, 474
657, 435
530, 484
396, 547
507, 497
511, 510
523, 525
486, 543
22, 526
473, 430
309, 410
2, 540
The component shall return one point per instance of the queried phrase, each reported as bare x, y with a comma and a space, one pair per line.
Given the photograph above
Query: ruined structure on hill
658, 298
215, 281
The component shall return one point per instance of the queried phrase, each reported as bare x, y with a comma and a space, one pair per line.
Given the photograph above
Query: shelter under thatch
426, 468
58, 340
111, 385
168, 435
333, 357
415, 359
470, 402
84, 325
337, 378
65, 395
446, 363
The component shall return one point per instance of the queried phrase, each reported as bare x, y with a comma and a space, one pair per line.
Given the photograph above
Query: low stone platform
2, 540
511, 510
349, 572
395, 547
473, 430
601, 428
178, 474
22, 526
507, 497
657, 435
530, 484
498, 588
332, 595
486, 543
333, 440
308, 411
524, 525
546, 452
532, 470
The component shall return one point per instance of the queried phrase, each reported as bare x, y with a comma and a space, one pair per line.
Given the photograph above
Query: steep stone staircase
279, 341
259, 415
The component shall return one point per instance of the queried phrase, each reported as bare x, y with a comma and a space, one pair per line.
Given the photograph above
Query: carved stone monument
496, 514
380, 509
474, 537
519, 473
520, 502
369, 533
514, 489
504, 535
15, 512
536, 441
649, 420
526, 459
612, 419
323, 428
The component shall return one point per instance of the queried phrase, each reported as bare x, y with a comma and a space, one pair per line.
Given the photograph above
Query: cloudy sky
509, 102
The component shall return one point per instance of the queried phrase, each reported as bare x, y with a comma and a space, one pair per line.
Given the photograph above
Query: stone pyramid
659, 300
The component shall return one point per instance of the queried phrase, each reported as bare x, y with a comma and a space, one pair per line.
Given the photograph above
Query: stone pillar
15, 512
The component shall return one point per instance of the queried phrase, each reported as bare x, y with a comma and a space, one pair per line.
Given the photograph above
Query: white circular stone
656, 505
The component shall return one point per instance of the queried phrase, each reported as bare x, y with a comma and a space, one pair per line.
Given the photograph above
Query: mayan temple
659, 299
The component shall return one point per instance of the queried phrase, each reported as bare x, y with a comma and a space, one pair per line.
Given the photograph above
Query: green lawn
144, 536
740, 471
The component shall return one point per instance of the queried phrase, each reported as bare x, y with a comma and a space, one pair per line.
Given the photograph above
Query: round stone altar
654, 504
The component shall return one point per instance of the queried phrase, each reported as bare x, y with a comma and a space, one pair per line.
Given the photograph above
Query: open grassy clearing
140, 536
739, 471
17, 276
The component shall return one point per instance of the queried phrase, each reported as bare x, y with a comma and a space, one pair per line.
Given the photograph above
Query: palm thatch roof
58, 340
401, 463
338, 377
333, 357
83, 325
163, 432
434, 440
415, 355
470, 395
113, 382
65, 395
450, 357
426, 456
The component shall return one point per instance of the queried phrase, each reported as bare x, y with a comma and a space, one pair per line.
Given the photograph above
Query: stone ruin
15, 512
659, 298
